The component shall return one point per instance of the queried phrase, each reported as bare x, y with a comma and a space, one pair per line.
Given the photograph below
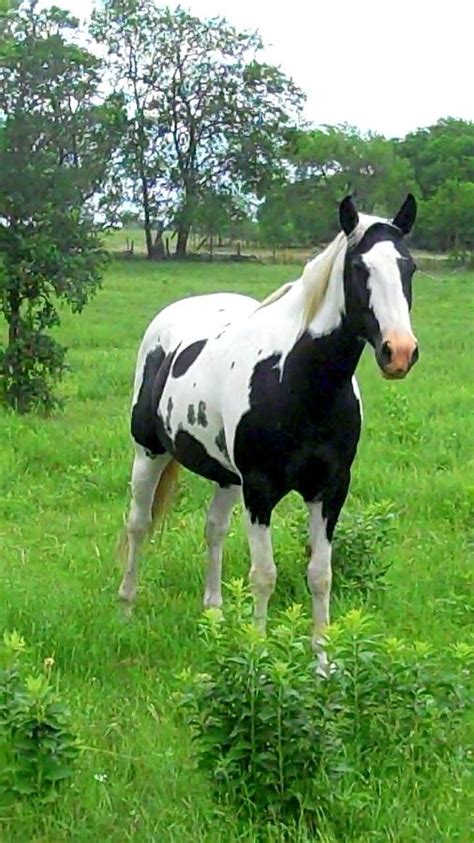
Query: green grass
63, 487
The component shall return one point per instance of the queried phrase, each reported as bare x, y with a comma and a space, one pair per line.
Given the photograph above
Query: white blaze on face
387, 299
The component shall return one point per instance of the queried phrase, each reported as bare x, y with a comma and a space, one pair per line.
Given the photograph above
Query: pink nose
398, 353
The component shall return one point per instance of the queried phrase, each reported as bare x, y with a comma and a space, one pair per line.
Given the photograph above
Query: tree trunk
211, 247
159, 247
182, 241
146, 216
14, 318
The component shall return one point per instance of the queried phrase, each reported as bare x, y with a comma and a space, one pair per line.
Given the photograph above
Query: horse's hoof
325, 669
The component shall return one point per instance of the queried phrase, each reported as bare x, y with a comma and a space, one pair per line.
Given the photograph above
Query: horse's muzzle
396, 354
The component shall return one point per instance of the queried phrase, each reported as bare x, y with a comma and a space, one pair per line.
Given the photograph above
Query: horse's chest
295, 447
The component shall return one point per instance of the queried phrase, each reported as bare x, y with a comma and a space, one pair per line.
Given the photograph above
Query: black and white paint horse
261, 398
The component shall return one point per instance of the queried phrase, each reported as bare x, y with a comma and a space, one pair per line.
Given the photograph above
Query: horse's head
378, 271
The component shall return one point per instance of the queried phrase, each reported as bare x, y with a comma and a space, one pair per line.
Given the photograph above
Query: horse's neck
326, 350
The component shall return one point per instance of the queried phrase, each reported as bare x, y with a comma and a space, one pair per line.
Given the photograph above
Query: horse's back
198, 317
189, 320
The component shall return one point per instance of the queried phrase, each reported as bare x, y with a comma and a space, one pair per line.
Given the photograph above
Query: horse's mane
317, 272
316, 275
277, 294
315, 280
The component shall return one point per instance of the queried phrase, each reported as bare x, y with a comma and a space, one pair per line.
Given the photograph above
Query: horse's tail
164, 494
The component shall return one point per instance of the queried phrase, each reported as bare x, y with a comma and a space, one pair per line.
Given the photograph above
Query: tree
447, 218
55, 144
322, 166
440, 153
128, 31
278, 218
206, 115
218, 215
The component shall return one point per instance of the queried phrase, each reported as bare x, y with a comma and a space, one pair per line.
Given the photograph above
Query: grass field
64, 490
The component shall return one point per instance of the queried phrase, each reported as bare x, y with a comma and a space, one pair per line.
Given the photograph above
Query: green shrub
280, 742
360, 537
37, 746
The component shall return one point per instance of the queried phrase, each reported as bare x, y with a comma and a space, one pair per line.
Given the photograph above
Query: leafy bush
37, 746
283, 743
360, 537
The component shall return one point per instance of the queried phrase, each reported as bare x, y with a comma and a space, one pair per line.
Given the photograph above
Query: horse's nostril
414, 356
386, 353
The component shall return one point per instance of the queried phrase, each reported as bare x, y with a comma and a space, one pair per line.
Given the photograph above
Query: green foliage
55, 143
278, 740
447, 218
440, 153
326, 164
360, 538
37, 747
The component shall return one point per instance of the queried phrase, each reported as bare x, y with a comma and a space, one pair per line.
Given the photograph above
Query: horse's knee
139, 520
263, 579
319, 576
215, 530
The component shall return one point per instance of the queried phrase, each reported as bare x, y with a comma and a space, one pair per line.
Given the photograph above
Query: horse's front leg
263, 571
319, 575
323, 515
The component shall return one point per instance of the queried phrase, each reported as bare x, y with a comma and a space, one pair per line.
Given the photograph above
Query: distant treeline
180, 126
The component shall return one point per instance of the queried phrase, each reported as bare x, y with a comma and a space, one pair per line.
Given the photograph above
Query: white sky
386, 66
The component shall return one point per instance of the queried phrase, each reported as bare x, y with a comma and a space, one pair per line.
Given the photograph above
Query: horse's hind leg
217, 526
146, 473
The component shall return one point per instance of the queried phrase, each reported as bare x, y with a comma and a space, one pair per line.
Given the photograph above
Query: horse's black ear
348, 216
406, 216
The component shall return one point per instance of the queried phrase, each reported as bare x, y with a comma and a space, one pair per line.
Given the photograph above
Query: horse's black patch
186, 358
191, 414
303, 425
169, 410
192, 454
160, 380
201, 414
143, 427
232, 364
221, 443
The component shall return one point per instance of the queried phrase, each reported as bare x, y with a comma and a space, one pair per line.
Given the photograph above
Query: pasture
64, 491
